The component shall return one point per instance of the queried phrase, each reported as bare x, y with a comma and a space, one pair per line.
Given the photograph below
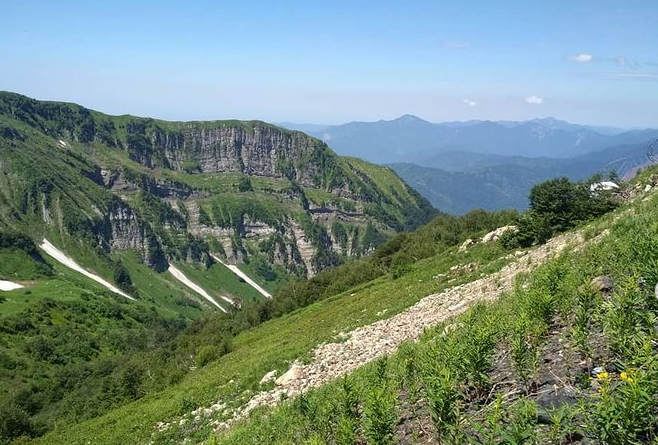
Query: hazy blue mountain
412, 139
507, 184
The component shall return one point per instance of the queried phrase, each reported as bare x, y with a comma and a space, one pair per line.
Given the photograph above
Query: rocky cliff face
122, 229
255, 149
178, 190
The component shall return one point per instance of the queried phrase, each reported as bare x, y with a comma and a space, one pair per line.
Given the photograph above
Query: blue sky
588, 61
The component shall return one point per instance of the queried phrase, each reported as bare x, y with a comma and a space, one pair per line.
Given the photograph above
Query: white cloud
534, 100
470, 103
582, 58
455, 45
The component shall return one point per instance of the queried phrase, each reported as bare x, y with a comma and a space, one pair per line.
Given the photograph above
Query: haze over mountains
410, 138
461, 166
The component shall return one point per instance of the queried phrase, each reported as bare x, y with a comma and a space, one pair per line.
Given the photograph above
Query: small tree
123, 280
245, 184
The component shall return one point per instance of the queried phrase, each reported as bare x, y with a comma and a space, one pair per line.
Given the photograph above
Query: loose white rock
268, 377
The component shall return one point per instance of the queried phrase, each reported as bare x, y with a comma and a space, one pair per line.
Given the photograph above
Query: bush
123, 280
380, 415
244, 185
191, 167
14, 422
556, 205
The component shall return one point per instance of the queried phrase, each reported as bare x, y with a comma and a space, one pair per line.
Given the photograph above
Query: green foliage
557, 205
380, 415
524, 352
264, 269
629, 319
191, 167
443, 397
14, 422
624, 412
204, 219
123, 280
244, 185
340, 234
18, 265
395, 256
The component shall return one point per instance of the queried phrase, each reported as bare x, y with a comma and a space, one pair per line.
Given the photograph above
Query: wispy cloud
632, 76
455, 45
471, 103
582, 58
534, 100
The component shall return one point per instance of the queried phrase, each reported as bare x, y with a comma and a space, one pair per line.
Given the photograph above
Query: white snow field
9, 285
180, 276
244, 276
61, 257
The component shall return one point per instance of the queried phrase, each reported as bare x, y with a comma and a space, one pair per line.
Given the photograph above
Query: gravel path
367, 343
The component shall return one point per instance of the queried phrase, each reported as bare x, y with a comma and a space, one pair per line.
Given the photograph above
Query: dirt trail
242, 275
367, 343
66, 260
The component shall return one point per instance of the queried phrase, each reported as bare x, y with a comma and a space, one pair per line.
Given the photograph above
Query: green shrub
123, 280
191, 167
244, 185
14, 422
557, 205
205, 354
380, 415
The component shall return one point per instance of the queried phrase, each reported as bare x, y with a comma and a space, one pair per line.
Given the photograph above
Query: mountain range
278, 202
412, 139
119, 233
462, 166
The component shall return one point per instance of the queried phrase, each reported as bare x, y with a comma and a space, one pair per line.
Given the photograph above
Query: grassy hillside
78, 362
345, 304
125, 197
273, 345
567, 357
246, 190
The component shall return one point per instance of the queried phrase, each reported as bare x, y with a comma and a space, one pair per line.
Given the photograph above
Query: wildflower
626, 377
602, 376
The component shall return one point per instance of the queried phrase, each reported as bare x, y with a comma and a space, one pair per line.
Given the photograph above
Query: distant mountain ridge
495, 182
410, 138
462, 166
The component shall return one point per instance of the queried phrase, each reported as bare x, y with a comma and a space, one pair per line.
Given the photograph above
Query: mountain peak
409, 118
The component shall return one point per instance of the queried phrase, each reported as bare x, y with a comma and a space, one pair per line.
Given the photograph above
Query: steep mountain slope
563, 354
317, 345
112, 225
253, 352
177, 190
497, 182
411, 139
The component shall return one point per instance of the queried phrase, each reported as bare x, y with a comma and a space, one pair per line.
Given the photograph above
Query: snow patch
244, 276
180, 276
61, 257
9, 285
603, 186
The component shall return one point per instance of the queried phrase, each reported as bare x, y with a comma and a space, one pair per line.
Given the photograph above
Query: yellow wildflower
625, 377
602, 376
